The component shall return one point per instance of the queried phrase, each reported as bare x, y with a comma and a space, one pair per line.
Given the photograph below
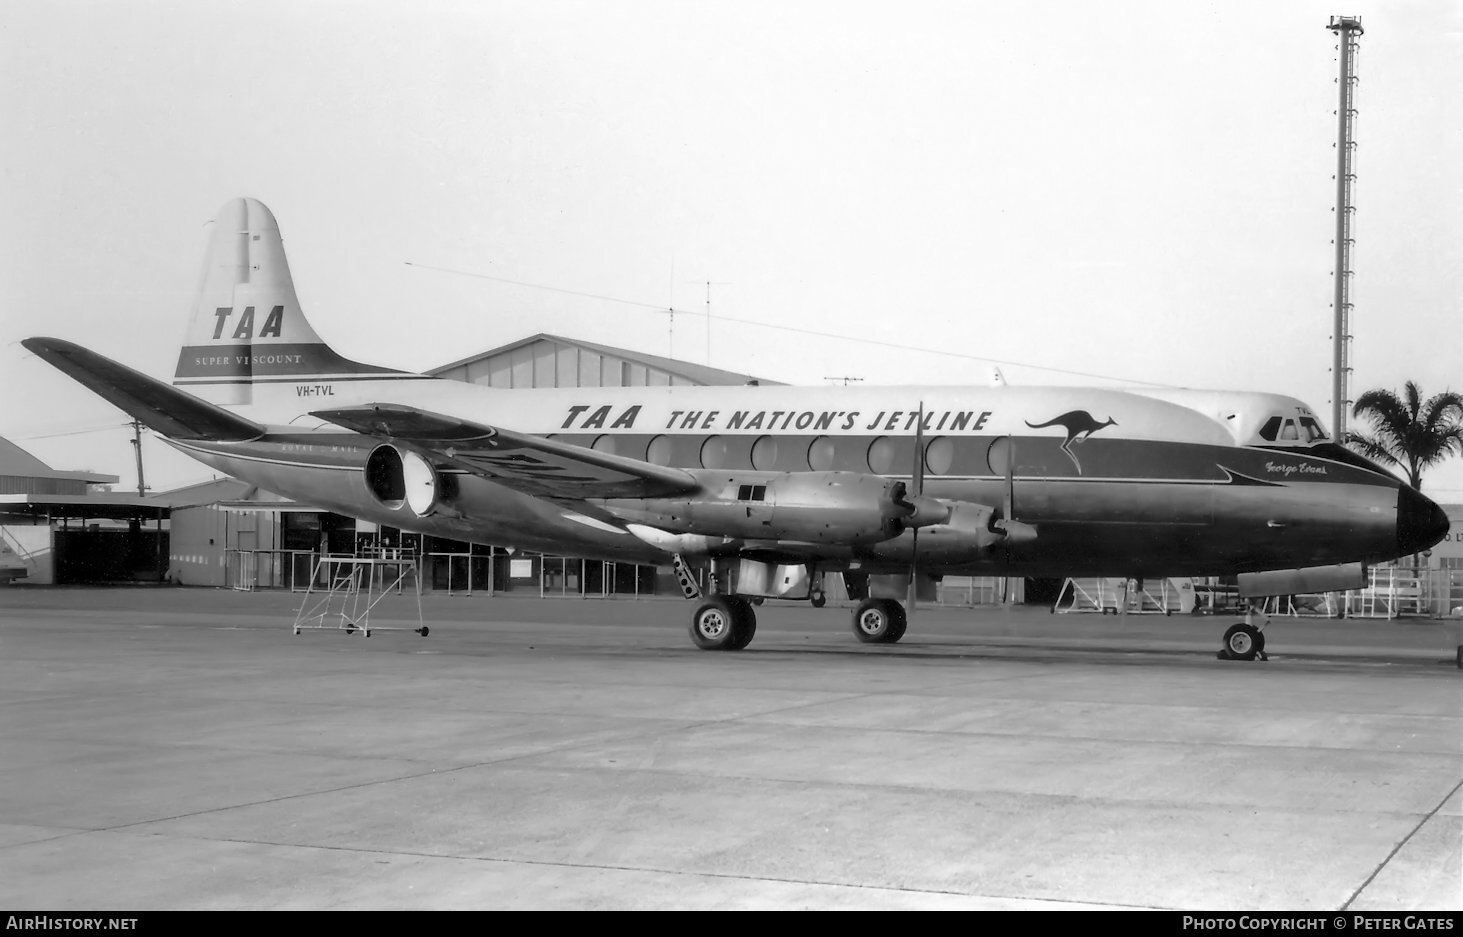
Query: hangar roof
692, 372
17, 462
122, 505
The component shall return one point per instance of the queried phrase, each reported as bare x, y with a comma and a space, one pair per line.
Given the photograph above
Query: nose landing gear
1245, 641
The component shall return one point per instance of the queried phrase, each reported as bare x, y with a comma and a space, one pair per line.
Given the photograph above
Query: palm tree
1407, 431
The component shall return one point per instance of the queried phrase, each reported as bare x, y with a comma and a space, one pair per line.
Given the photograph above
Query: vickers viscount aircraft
768, 489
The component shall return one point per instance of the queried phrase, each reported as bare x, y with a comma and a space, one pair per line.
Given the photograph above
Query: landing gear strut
879, 621
1245, 641
723, 623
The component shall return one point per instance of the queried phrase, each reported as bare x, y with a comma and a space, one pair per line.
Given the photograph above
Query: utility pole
1348, 31
137, 447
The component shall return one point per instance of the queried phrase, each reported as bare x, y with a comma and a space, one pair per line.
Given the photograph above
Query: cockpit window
1313, 430
1289, 429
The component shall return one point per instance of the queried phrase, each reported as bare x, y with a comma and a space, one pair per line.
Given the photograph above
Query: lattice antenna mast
1348, 33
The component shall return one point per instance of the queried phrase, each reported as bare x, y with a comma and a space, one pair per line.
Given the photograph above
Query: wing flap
523, 462
161, 407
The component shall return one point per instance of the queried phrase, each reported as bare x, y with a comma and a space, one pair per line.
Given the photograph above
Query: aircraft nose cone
1420, 522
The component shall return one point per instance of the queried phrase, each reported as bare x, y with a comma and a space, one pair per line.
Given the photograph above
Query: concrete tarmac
169, 748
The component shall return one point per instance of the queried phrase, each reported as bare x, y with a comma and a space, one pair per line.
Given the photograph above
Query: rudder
246, 326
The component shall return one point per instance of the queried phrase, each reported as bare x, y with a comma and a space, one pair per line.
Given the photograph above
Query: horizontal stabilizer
159, 406
530, 464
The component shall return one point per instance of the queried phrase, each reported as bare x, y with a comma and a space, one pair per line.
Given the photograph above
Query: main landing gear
879, 621
1245, 641
729, 622
723, 623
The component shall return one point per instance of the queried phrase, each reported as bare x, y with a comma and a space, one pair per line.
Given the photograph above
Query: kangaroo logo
1079, 424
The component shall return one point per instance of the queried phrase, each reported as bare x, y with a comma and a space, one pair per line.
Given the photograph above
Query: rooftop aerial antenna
845, 379
670, 339
1348, 31
709, 285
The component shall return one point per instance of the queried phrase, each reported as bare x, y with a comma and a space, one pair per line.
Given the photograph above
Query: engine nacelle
401, 478
969, 531
809, 507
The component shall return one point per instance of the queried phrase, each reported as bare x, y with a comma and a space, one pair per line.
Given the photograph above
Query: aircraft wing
161, 407
530, 464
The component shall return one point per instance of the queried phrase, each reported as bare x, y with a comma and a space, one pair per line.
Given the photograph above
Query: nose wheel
1243, 642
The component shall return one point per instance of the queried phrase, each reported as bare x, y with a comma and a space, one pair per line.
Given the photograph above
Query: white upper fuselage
1207, 417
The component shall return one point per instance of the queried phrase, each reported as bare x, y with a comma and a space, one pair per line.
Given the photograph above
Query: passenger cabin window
752, 493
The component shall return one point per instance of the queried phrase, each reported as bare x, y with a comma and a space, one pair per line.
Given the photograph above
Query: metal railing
1391, 591
970, 591
247, 570
458, 573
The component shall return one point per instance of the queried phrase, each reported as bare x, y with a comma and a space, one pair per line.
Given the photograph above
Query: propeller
1008, 511
1008, 506
917, 480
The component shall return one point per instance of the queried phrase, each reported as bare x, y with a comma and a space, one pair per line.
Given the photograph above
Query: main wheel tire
875, 620
818, 599
714, 624
1243, 642
901, 624
744, 624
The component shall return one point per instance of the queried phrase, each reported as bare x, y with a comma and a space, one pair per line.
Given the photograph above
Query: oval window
940, 455
998, 456
821, 454
713, 452
605, 443
881, 456
764, 453
660, 451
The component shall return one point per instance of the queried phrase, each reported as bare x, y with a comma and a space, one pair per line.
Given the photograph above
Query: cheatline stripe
987, 478
302, 379
256, 458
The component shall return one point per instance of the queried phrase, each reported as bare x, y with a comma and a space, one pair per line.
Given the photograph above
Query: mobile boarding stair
344, 590
1113, 596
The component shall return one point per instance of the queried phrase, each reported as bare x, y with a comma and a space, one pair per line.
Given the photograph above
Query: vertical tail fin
247, 327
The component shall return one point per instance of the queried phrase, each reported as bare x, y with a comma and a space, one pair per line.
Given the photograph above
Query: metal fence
247, 570
1390, 592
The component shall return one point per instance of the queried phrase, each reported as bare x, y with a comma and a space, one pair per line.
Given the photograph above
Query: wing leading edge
160, 406
529, 464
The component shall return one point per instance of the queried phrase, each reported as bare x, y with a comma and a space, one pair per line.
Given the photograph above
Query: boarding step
1108, 595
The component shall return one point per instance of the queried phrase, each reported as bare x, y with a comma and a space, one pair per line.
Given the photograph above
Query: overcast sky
1135, 191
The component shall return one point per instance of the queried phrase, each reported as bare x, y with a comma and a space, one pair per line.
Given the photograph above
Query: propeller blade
919, 446
917, 482
1008, 509
1009, 506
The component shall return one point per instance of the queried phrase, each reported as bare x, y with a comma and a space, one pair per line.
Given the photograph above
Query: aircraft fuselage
1128, 486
